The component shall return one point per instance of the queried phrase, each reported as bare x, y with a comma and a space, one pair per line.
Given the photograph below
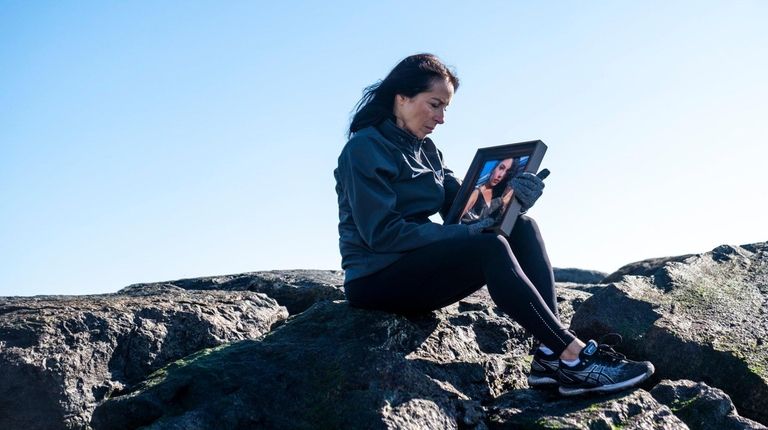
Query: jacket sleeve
367, 169
451, 184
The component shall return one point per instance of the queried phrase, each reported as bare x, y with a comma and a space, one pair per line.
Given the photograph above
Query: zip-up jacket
388, 183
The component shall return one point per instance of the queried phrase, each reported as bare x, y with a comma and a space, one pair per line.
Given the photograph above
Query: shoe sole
541, 381
575, 391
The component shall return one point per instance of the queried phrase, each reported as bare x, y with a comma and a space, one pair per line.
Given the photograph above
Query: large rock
701, 406
297, 290
59, 356
646, 267
703, 318
569, 298
334, 366
579, 276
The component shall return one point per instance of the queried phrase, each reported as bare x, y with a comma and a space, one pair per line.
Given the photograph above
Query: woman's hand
528, 188
478, 227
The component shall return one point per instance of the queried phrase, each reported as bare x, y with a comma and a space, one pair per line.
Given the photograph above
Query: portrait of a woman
492, 194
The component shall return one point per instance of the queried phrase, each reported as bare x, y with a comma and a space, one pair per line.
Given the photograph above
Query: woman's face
421, 113
500, 171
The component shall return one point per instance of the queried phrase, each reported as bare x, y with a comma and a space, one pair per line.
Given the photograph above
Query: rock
61, 355
643, 268
704, 318
297, 290
587, 288
701, 406
579, 276
569, 298
334, 366
540, 409
698, 317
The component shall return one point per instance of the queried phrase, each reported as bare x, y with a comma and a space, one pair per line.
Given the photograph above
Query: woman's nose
440, 117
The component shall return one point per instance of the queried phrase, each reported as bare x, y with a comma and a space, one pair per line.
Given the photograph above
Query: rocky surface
462, 367
59, 356
701, 406
369, 370
702, 318
297, 290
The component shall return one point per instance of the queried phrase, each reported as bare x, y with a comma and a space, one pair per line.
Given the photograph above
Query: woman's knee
489, 245
525, 226
526, 221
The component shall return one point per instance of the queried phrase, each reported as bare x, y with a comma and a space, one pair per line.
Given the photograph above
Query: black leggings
517, 271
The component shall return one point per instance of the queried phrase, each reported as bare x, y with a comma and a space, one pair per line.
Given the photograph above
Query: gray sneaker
601, 370
543, 370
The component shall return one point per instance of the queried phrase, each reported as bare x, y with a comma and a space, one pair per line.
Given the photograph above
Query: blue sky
144, 141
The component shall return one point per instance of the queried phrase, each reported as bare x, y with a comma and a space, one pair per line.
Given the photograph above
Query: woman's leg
437, 275
528, 246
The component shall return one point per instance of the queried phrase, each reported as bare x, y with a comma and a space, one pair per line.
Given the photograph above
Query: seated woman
391, 178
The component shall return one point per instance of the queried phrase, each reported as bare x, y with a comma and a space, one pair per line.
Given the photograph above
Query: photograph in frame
486, 190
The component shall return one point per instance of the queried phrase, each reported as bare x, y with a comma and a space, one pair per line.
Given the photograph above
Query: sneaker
543, 370
601, 370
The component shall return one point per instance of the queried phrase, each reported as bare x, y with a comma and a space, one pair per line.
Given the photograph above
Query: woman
492, 195
391, 178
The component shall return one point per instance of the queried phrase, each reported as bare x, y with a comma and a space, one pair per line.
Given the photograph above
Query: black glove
478, 227
528, 188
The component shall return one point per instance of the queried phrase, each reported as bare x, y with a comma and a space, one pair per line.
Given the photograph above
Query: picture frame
483, 180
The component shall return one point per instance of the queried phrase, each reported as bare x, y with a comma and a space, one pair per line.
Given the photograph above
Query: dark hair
411, 76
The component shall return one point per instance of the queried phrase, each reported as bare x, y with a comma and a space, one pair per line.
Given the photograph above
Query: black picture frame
524, 156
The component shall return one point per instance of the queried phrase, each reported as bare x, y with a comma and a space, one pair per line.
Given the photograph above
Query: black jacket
388, 183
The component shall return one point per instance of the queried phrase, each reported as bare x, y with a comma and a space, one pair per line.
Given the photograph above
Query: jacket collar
401, 137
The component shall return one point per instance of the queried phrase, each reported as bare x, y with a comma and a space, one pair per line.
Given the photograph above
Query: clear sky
147, 141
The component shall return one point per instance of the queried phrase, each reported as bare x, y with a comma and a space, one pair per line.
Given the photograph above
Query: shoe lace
605, 347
